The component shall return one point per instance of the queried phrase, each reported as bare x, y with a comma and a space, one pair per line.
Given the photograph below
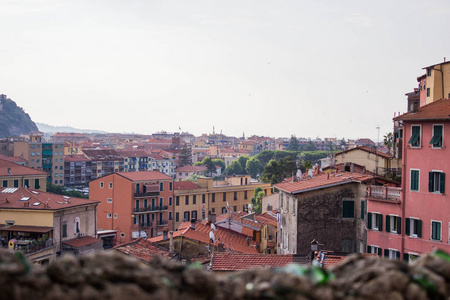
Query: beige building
16, 176
437, 82
31, 150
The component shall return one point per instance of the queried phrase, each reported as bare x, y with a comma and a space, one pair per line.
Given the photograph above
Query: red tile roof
238, 218
144, 175
366, 149
82, 241
12, 158
22, 198
17, 170
185, 185
437, 110
223, 261
76, 157
142, 249
321, 181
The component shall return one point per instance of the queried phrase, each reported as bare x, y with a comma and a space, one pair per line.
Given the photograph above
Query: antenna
212, 238
250, 208
213, 227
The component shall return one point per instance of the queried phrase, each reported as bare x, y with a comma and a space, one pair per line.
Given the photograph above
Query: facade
53, 162
185, 172
77, 171
16, 176
104, 162
190, 202
328, 208
39, 224
437, 82
31, 150
137, 204
418, 222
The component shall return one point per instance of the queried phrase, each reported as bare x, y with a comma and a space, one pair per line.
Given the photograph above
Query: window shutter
442, 183
406, 257
399, 225
379, 252
397, 254
386, 253
380, 219
388, 223
430, 181
419, 228
369, 249
407, 226
369, 220
362, 209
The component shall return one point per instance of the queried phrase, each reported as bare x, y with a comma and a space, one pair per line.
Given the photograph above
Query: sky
274, 68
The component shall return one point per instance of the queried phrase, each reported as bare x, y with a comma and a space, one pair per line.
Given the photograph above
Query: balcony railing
384, 193
150, 208
163, 223
146, 224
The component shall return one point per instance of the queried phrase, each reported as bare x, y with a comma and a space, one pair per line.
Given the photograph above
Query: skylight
25, 198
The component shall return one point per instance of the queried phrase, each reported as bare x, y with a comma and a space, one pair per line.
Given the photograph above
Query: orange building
136, 204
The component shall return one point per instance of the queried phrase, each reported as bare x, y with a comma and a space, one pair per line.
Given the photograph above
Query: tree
60, 190
293, 144
210, 167
185, 156
254, 167
272, 172
220, 163
256, 200
388, 140
243, 162
234, 168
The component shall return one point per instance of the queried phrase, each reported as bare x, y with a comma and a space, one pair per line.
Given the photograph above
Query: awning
23, 228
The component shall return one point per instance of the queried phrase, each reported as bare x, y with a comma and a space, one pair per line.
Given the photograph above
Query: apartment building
13, 175
104, 162
31, 149
77, 171
437, 82
53, 162
137, 204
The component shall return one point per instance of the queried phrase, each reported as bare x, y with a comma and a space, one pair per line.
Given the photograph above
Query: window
170, 216
393, 224
287, 203
115, 216
109, 200
213, 197
374, 249
245, 195
36, 184
161, 201
177, 217
348, 209
177, 200
235, 196
186, 216
436, 140
436, 230
187, 200
224, 197
281, 200
375, 221
363, 212
235, 208
5, 183
436, 182
213, 210
400, 133
16, 183
414, 186
224, 210
391, 254
293, 206
101, 185
428, 72
56, 167
203, 198
413, 227
161, 186
415, 136
170, 201
108, 215
122, 234
194, 199
110, 185
194, 215
170, 185
64, 230
428, 92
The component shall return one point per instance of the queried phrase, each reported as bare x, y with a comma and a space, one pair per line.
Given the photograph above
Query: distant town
214, 199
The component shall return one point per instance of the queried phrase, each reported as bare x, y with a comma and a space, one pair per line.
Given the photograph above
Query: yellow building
72, 148
16, 176
437, 81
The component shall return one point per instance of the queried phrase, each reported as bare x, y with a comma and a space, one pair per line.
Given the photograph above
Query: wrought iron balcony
150, 209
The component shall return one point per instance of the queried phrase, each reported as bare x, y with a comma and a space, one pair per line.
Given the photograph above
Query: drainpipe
402, 199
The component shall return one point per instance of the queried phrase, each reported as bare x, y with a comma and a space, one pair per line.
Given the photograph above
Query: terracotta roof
142, 249
321, 181
437, 110
223, 261
185, 185
68, 134
356, 168
22, 198
105, 154
12, 158
145, 175
76, 157
191, 169
222, 220
367, 149
138, 153
157, 156
232, 240
17, 170
82, 241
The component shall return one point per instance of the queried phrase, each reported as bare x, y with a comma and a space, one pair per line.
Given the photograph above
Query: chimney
165, 231
193, 223
212, 218
171, 242
269, 207
352, 167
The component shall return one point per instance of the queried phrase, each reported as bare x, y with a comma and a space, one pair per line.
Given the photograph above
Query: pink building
418, 222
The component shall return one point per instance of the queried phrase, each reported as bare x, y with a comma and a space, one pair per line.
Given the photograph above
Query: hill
13, 119
49, 129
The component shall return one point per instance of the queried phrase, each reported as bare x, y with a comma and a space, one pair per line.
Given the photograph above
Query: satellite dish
213, 227
310, 174
250, 208
299, 174
228, 206
212, 238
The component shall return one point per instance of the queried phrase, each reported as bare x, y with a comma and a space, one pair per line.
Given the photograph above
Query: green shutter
369, 249
388, 223
442, 183
397, 254
414, 180
362, 209
379, 252
406, 257
369, 220
430, 181
380, 220
419, 228
386, 253
399, 225
407, 226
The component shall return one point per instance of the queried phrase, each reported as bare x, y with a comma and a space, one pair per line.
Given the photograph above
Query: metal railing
150, 208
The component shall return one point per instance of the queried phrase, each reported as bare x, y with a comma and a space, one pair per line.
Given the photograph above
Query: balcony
384, 193
148, 190
150, 209
146, 224
163, 223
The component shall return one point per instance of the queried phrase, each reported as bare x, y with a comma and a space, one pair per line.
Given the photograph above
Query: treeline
60, 190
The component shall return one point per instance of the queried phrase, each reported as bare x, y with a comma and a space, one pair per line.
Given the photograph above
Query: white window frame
110, 185
115, 216
393, 223
374, 249
420, 136
393, 253
109, 200
436, 183
101, 184
409, 256
431, 231
375, 219
432, 134
108, 215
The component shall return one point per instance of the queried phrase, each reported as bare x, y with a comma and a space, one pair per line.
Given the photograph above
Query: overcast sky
274, 68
